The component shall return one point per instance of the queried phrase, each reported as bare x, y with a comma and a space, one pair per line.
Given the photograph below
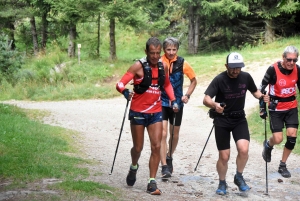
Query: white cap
235, 60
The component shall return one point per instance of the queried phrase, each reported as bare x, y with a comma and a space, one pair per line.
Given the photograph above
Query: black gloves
126, 93
262, 108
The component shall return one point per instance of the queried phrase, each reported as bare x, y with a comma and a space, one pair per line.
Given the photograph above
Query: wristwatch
187, 95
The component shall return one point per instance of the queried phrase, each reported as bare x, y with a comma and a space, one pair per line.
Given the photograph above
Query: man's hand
263, 107
127, 94
175, 106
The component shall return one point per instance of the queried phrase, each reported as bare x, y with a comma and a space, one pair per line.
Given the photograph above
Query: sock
151, 180
269, 145
282, 163
238, 174
222, 181
134, 167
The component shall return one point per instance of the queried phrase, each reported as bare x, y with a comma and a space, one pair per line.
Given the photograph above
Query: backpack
147, 80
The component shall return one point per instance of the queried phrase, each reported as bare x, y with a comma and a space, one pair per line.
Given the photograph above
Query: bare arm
259, 95
208, 102
190, 90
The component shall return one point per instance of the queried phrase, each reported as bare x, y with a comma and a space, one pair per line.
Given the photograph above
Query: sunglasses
289, 60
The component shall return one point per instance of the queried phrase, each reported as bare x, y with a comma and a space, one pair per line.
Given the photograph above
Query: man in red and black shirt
149, 77
282, 78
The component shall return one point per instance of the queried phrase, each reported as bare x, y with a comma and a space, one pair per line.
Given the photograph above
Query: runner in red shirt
146, 110
282, 78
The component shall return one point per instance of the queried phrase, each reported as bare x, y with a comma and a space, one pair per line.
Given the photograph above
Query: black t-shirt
231, 91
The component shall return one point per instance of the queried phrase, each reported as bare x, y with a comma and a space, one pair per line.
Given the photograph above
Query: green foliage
31, 151
10, 61
83, 187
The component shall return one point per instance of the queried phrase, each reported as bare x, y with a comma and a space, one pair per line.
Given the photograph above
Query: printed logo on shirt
290, 90
282, 82
242, 86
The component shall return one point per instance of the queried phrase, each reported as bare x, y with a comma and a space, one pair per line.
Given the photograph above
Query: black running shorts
239, 131
279, 118
167, 115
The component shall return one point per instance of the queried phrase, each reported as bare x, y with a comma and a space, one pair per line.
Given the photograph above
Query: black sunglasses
289, 60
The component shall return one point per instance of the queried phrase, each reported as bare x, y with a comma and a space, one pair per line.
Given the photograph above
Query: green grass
31, 151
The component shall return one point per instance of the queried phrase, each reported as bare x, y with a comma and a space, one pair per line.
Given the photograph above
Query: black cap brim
236, 65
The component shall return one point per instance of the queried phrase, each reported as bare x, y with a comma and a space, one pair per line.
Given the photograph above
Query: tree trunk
98, 36
193, 30
72, 38
269, 31
11, 35
34, 36
44, 32
112, 41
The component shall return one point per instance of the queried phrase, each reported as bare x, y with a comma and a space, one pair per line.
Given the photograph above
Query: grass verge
31, 151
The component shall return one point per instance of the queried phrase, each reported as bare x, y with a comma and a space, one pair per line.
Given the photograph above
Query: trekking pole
174, 119
222, 105
204, 147
112, 167
266, 160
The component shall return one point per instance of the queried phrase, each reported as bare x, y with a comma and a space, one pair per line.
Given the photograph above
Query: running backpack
147, 80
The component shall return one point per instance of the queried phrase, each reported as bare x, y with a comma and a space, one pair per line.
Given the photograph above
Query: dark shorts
279, 118
145, 119
168, 115
239, 131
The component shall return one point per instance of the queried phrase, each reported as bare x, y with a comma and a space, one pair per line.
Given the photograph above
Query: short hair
171, 41
153, 41
290, 49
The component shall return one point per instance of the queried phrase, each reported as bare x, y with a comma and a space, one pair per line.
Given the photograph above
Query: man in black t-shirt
230, 87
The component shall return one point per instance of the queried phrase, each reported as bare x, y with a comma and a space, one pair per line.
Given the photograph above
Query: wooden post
79, 46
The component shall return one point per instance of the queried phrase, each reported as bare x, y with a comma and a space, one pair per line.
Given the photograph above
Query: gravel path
99, 122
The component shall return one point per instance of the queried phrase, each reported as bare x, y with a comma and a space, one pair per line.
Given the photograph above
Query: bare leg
286, 152
222, 164
175, 138
242, 157
276, 138
137, 132
155, 135
163, 148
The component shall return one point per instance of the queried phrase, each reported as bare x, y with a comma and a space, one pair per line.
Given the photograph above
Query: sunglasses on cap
289, 60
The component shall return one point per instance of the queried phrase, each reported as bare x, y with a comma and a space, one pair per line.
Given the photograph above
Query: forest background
62, 49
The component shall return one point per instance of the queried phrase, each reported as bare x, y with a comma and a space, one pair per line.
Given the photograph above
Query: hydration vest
147, 80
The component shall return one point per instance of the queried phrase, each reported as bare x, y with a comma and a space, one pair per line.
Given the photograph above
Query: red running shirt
284, 87
149, 101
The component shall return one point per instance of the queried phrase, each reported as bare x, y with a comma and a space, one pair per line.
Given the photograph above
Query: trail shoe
152, 188
222, 188
284, 171
240, 182
170, 164
266, 154
131, 177
165, 171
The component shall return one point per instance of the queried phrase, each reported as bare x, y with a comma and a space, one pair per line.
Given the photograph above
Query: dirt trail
99, 121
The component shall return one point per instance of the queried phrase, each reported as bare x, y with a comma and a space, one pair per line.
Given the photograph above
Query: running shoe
266, 154
240, 182
152, 188
170, 164
222, 188
131, 177
165, 171
284, 171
